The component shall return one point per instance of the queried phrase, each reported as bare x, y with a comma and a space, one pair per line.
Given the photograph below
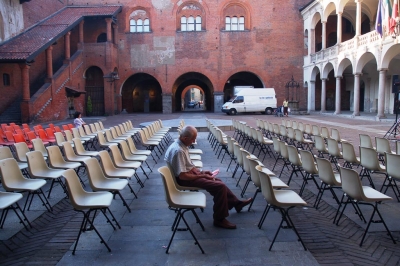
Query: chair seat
22, 165
119, 173
195, 157
267, 171
287, 198
129, 164
52, 173
198, 164
142, 152
88, 153
66, 165
8, 198
77, 158
372, 195
278, 183
27, 185
139, 158
195, 151
93, 200
267, 141
337, 179
110, 184
188, 200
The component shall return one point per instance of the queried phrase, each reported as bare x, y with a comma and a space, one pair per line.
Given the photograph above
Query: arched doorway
241, 79
141, 93
188, 81
94, 87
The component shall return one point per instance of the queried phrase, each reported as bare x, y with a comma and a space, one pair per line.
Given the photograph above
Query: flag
386, 15
395, 14
378, 22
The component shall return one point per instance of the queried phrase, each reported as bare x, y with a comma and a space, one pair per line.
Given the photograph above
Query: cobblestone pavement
146, 230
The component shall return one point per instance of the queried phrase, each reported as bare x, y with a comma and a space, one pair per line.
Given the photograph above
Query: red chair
45, 137
25, 126
9, 136
31, 135
52, 127
17, 127
5, 142
65, 127
21, 138
3, 126
9, 128
71, 126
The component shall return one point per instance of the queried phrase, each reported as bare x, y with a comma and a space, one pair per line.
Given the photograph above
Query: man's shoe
224, 224
241, 205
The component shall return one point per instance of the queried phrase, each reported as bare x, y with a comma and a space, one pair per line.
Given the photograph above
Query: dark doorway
95, 89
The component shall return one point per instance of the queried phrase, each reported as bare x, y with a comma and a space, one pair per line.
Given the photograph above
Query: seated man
177, 156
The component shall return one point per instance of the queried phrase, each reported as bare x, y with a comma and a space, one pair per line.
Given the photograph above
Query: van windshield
232, 99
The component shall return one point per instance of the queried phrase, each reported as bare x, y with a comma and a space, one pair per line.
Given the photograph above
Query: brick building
142, 56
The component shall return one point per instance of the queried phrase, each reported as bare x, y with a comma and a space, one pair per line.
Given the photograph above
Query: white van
251, 100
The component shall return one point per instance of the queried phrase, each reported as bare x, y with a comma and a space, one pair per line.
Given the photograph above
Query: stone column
339, 27
167, 103
356, 105
311, 96
115, 28
338, 97
109, 33
218, 101
323, 34
323, 95
358, 18
68, 45
49, 62
381, 94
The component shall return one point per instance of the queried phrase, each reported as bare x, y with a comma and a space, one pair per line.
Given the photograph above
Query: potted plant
89, 106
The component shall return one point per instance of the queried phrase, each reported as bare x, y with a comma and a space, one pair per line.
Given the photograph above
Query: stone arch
327, 68
343, 64
362, 61
388, 55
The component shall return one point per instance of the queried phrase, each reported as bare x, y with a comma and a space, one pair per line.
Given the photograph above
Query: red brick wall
10, 93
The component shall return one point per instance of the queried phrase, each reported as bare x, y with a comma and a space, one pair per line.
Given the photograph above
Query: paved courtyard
146, 230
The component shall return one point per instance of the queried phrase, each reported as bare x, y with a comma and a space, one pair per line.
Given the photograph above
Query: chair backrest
283, 150
101, 139
59, 138
294, 124
325, 132
335, 134
116, 154
55, 156
365, 141
97, 126
298, 135
266, 188
230, 145
246, 165
290, 133
300, 126
282, 130
76, 192
82, 132
19, 138
308, 163
5, 153
397, 147
65, 127
253, 164
9, 136
392, 165
11, 175
22, 150
369, 159
171, 192
95, 173
39, 146
76, 133
325, 172
333, 148
68, 135
36, 163
348, 152
276, 144
294, 157
50, 133
78, 145
238, 153
351, 183
106, 161
315, 130
126, 152
132, 145
382, 145
320, 144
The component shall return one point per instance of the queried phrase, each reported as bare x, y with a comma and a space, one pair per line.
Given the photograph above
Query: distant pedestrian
285, 107
199, 104
78, 122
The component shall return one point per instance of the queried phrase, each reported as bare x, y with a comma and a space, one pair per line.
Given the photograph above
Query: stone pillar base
167, 103
218, 101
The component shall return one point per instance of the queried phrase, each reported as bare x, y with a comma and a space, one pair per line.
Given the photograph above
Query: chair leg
254, 197
262, 219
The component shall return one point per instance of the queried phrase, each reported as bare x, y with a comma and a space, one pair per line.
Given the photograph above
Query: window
6, 79
191, 23
239, 99
234, 23
140, 25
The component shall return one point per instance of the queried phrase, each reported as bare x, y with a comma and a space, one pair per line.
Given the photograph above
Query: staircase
12, 113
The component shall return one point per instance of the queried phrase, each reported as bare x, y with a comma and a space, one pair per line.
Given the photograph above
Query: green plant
89, 106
